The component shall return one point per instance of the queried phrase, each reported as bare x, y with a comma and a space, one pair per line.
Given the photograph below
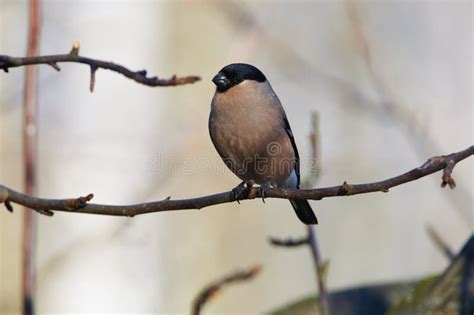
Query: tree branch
440, 242
319, 266
7, 62
289, 242
80, 205
30, 150
212, 289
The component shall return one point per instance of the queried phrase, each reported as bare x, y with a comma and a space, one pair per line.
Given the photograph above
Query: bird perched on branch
251, 133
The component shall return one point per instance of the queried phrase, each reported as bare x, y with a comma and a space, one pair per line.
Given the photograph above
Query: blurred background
390, 80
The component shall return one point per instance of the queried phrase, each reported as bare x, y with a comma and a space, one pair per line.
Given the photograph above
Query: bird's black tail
304, 212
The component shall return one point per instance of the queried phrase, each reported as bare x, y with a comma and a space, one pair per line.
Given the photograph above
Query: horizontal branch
7, 62
81, 205
289, 242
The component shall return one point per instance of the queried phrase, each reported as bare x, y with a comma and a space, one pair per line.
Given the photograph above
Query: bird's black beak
221, 81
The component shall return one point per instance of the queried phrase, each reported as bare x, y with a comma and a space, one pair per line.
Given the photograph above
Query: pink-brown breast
247, 128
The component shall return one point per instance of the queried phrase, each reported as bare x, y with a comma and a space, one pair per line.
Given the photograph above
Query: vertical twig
311, 240
312, 179
314, 138
315, 147
319, 265
320, 271
29, 158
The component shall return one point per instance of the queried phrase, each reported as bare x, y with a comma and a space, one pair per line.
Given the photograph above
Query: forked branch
7, 62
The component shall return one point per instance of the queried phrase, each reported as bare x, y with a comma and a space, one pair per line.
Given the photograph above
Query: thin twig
29, 160
319, 266
289, 242
440, 243
310, 239
312, 242
320, 272
314, 140
429, 167
7, 62
288, 56
210, 291
420, 138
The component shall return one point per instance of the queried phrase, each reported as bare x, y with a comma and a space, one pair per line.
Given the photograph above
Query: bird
250, 131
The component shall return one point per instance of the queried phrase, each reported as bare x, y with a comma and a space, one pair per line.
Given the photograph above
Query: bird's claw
240, 191
263, 190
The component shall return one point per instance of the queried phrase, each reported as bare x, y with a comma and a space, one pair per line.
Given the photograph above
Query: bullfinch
250, 131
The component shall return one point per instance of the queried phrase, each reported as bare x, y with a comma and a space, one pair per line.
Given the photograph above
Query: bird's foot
263, 190
241, 190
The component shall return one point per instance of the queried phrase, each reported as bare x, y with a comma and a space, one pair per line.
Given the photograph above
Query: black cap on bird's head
235, 73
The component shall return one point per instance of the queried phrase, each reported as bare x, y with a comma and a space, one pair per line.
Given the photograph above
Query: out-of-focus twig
7, 62
289, 242
320, 269
319, 266
450, 292
421, 140
287, 56
211, 290
315, 146
388, 100
311, 239
440, 243
29, 159
312, 179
